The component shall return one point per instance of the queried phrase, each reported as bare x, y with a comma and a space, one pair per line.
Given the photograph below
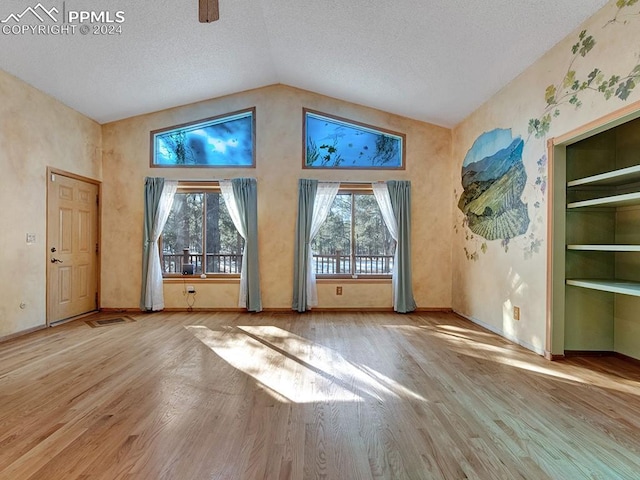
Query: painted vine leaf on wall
570, 88
624, 17
568, 91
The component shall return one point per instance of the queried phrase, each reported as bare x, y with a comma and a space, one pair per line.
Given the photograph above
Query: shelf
605, 248
616, 177
615, 286
615, 201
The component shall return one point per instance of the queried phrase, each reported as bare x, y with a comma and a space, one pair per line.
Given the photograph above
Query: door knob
55, 260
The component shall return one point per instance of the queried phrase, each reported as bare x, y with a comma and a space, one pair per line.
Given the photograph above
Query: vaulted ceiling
432, 60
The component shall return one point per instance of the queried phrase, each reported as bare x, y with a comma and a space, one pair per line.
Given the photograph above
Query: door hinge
98, 200
96, 300
97, 248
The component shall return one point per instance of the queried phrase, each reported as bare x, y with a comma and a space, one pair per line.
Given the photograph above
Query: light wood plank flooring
191, 396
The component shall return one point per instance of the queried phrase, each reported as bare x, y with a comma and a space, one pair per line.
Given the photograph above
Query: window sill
361, 279
196, 279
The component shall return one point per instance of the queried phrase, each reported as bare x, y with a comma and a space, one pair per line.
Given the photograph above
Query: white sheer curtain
381, 192
325, 195
226, 186
154, 298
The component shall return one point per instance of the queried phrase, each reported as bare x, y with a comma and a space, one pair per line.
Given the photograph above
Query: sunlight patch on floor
453, 328
295, 368
478, 348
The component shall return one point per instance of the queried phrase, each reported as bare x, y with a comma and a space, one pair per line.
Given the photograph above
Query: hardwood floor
190, 396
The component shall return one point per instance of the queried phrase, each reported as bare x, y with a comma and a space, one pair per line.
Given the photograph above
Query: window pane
221, 141
333, 241
332, 142
185, 235
182, 235
224, 243
374, 246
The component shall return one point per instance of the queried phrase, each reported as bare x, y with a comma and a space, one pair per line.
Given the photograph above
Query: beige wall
487, 288
279, 160
36, 132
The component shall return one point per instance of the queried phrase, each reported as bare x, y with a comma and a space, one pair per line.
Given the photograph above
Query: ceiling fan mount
208, 11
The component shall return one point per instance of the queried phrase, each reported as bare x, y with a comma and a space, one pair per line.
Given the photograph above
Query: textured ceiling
432, 60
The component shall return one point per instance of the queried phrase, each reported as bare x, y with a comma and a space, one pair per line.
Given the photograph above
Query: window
333, 142
354, 240
223, 141
200, 233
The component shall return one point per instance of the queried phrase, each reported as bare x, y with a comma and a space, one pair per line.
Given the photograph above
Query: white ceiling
432, 60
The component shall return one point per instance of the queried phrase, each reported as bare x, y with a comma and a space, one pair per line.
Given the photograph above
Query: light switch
31, 238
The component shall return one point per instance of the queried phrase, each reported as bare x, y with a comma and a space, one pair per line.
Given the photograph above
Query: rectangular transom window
334, 142
222, 141
200, 234
354, 240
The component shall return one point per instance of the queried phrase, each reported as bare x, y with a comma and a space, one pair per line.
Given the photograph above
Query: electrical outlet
338, 290
191, 289
516, 313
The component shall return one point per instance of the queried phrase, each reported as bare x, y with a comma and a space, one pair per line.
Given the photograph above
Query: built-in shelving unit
601, 258
615, 179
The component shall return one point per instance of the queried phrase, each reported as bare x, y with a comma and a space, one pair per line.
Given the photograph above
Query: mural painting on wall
493, 173
493, 178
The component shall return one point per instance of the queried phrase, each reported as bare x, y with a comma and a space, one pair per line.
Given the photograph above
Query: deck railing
336, 264
339, 264
215, 262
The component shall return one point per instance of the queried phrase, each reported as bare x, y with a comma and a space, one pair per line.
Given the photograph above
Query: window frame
204, 187
204, 122
354, 189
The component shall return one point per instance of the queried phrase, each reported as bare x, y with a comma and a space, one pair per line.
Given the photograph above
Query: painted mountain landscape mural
493, 178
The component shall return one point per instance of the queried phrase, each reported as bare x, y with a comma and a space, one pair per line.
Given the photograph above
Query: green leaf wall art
571, 88
493, 201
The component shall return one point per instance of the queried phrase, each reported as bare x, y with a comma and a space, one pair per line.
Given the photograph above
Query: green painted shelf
614, 286
613, 178
614, 201
605, 248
